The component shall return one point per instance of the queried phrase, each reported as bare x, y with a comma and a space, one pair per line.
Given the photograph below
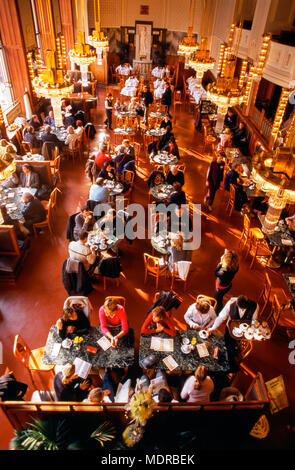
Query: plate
203, 334
249, 334
184, 349
258, 336
243, 326
267, 335
67, 343
237, 332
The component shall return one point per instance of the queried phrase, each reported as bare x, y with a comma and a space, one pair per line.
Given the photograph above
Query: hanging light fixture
200, 60
82, 55
54, 85
189, 44
98, 40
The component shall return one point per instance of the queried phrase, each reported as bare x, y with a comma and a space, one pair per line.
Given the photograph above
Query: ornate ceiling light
54, 85
201, 60
189, 44
98, 40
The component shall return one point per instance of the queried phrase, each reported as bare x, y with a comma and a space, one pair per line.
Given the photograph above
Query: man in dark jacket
33, 211
213, 180
29, 178
147, 99
47, 136
167, 97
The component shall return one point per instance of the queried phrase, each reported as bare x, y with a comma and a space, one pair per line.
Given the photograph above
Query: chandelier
98, 40
7, 159
274, 173
189, 44
201, 60
54, 85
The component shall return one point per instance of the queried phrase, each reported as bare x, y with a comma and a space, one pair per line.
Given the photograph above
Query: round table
157, 114
156, 132
164, 159
125, 131
34, 157
162, 191
101, 240
161, 243
114, 188
60, 132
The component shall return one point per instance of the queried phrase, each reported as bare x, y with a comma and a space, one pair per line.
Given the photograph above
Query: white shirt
79, 132
80, 252
224, 314
194, 317
71, 140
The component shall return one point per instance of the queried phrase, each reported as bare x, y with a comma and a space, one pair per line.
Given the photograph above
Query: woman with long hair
225, 272
113, 321
177, 252
68, 386
198, 387
157, 321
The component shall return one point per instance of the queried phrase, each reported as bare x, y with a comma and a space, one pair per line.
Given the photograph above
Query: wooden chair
231, 200
258, 247
74, 153
137, 148
247, 232
147, 140
26, 147
120, 300
245, 347
209, 140
211, 300
128, 178
31, 359
47, 223
152, 267
55, 168
275, 312
175, 276
265, 295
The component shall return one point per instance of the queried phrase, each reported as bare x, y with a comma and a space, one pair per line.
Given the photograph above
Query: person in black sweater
146, 98
175, 175
73, 320
177, 196
69, 387
166, 122
167, 97
230, 119
224, 273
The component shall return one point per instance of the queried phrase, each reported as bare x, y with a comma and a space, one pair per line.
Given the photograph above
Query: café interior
115, 118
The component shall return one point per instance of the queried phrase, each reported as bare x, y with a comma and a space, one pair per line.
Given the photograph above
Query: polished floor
35, 302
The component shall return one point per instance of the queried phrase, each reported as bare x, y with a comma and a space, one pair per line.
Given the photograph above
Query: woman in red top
111, 317
157, 321
102, 157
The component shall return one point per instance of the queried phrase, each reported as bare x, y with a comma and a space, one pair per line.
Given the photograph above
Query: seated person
176, 250
113, 321
80, 251
126, 148
121, 161
29, 178
102, 157
79, 131
49, 120
7, 220
198, 387
225, 138
111, 381
233, 177
180, 222
175, 175
260, 205
153, 147
157, 321
71, 138
11, 182
165, 138
66, 108
108, 171
108, 223
35, 123
98, 192
48, 136
171, 147
30, 138
133, 104
33, 211
240, 138
230, 119
84, 221
105, 140
178, 195
166, 122
68, 386
200, 315
73, 320
164, 394
98, 395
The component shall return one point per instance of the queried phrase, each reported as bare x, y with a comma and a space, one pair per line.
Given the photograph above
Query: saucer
237, 332
243, 326
67, 343
184, 349
203, 334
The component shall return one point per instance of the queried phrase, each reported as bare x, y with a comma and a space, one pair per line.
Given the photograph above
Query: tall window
6, 95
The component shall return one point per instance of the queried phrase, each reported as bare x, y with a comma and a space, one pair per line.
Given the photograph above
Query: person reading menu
157, 321
113, 321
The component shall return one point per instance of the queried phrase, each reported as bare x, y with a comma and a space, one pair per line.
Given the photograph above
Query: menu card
82, 367
162, 344
292, 280
170, 362
286, 241
202, 350
55, 349
104, 343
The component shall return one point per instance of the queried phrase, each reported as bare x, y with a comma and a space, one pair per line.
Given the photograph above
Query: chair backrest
27, 146
42, 168
82, 301
128, 177
266, 289
120, 300
151, 262
246, 224
57, 163
276, 310
245, 347
137, 148
8, 241
232, 192
21, 351
53, 197
211, 300
48, 150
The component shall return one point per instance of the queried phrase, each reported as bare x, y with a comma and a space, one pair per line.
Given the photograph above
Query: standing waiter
109, 109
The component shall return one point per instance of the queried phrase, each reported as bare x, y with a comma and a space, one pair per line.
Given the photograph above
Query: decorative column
66, 16
279, 115
46, 24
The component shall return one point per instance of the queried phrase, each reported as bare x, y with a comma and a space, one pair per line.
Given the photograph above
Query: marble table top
187, 361
120, 357
12, 198
280, 234
164, 159
162, 191
60, 132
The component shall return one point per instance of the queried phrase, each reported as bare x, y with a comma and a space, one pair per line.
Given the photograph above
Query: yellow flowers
78, 339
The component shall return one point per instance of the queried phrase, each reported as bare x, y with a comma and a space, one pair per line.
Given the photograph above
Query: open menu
82, 368
55, 349
162, 344
104, 343
170, 362
202, 350
157, 384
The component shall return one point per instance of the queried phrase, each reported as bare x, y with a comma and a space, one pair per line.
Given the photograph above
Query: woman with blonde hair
71, 138
200, 315
225, 272
176, 250
198, 387
68, 386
